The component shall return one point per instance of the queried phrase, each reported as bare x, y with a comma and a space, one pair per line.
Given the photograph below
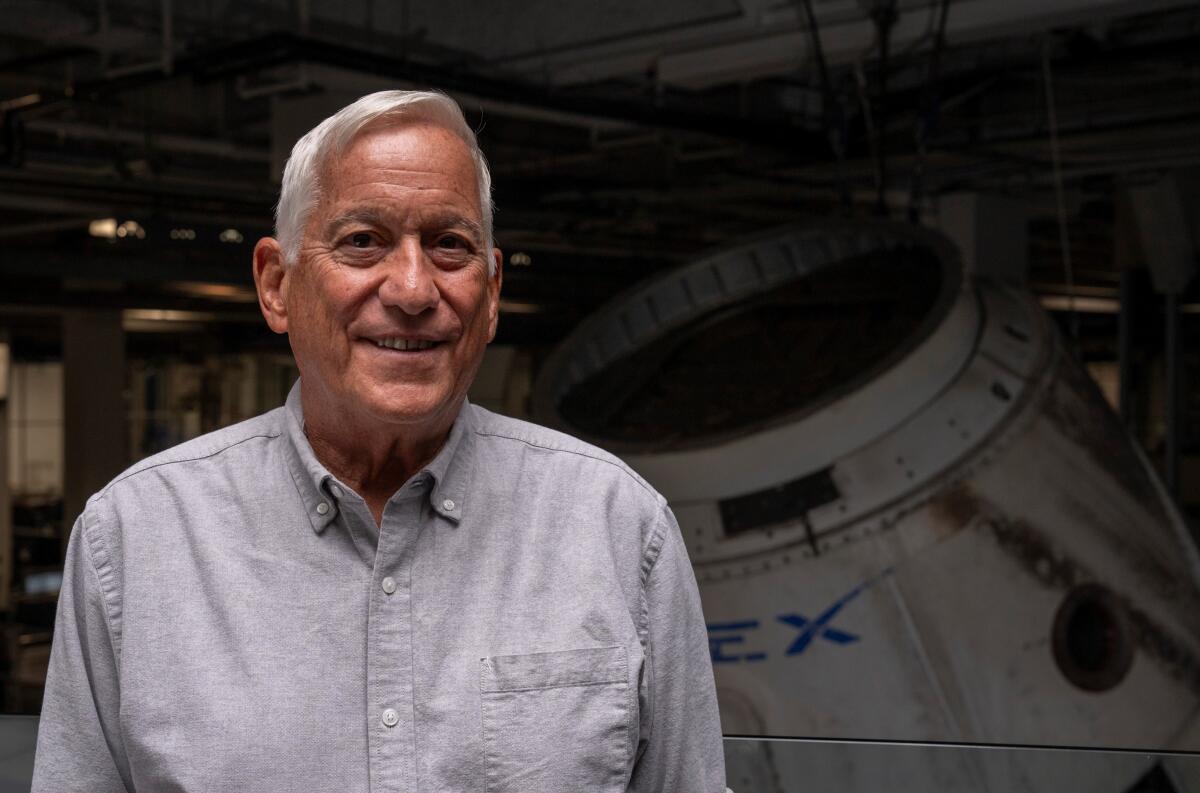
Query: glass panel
817, 766
41, 392
41, 465
18, 738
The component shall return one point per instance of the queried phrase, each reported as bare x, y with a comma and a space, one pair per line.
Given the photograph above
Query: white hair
301, 188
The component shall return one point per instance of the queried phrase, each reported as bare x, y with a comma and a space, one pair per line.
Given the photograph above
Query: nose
409, 283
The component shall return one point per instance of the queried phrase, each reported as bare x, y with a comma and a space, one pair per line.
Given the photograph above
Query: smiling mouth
406, 345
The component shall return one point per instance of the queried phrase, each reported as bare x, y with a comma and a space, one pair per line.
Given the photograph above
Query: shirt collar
319, 490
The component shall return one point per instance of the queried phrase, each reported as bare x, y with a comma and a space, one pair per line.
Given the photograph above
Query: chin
411, 406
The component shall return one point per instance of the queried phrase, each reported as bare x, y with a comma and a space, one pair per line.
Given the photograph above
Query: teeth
405, 344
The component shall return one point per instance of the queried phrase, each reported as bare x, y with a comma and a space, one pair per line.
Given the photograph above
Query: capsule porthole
1093, 639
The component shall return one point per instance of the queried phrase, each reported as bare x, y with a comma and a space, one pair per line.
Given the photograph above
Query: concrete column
6, 533
94, 432
1128, 261
991, 233
1125, 351
1166, 217
1174, 356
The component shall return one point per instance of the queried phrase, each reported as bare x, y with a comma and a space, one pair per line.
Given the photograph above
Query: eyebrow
367, 215
455, 221
374, 217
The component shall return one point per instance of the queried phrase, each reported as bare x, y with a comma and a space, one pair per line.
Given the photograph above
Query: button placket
390, 650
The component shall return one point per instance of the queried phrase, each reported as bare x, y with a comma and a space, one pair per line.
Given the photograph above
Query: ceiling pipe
164, 141
45, 57
28, 229
164, 65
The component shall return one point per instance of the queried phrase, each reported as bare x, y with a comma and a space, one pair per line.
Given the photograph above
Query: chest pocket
557, 722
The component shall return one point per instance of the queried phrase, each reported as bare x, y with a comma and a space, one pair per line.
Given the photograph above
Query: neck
374, 461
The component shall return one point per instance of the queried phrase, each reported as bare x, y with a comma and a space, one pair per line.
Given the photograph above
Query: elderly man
379, 586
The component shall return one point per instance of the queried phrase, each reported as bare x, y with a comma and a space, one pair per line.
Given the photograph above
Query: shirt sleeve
79, 746
680, 750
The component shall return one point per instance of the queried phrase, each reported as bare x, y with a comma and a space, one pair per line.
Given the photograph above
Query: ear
493, 296
271, 281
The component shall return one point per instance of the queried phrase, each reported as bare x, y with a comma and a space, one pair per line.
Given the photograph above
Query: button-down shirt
524, 619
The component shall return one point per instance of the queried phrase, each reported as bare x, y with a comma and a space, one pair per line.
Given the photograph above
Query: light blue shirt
524, 620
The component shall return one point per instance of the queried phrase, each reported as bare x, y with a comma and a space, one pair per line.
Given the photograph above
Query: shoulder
126, 516
509, 435
236, 438
163, 486
602, 494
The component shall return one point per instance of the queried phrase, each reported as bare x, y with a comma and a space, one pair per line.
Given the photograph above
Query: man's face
390, 305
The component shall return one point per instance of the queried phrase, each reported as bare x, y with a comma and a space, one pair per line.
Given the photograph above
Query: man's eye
361, 240
451, 242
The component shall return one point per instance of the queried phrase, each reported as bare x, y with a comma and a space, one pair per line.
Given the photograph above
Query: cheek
320, 321
475, 320
469, 299
332, 303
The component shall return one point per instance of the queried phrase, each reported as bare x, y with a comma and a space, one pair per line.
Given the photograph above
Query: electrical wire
831, 115
884, 15
1059, 193
868, 115
928, 119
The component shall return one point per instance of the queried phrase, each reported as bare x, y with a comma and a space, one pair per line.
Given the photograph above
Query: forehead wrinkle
367, 158
378, 216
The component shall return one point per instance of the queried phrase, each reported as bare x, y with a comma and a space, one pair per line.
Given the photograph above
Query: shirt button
323, 508
390, 718
448, 505
389, 585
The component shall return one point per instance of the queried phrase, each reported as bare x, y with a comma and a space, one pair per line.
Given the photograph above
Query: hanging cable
831, 108
883, 14
1059, 195
927, 121
868, 115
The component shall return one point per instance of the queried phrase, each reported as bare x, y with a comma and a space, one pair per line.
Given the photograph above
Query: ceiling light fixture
103, 227
131, 228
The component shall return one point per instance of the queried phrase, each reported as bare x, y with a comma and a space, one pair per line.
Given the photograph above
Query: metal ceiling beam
277, 49
164, 141
122, 266
741, 49
42, 192
45, 56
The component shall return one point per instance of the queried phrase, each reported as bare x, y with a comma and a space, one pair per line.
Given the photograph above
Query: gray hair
301, 176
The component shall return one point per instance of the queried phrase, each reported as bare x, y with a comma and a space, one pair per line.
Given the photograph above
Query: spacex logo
735, 642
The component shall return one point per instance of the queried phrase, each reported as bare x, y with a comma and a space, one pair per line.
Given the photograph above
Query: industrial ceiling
625, 137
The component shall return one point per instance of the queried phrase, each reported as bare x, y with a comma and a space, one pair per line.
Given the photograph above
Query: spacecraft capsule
911, 514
